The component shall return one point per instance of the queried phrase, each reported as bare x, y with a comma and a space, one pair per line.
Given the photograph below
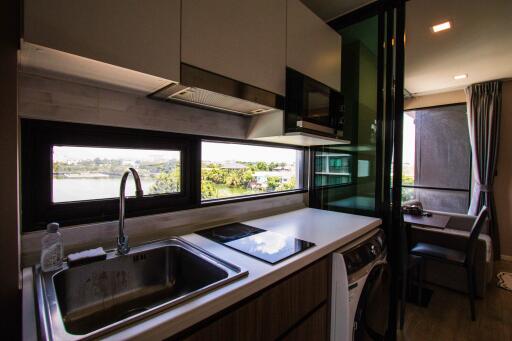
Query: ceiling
330, 9
479, 43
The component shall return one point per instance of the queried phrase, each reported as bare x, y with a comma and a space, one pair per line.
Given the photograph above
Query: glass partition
345, 175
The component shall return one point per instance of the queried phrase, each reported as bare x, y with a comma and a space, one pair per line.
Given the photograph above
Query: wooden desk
437, 221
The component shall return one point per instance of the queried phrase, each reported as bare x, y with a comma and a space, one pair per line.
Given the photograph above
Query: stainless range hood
205, 89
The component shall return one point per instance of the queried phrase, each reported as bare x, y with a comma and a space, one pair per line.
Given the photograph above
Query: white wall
443, 98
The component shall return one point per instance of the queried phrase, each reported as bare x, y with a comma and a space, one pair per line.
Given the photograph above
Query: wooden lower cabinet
283, 305
239, 324
296, 308
314, 327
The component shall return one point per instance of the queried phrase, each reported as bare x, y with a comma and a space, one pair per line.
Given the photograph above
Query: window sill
213, 202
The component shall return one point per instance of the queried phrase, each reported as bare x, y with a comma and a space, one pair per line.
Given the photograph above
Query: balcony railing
454, 200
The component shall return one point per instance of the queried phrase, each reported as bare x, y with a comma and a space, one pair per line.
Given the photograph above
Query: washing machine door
371, 317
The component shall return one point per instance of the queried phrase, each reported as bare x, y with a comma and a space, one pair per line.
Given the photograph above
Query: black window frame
302, 177
446, 189
39, 136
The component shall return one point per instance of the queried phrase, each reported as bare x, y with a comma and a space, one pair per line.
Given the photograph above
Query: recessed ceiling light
442, 26
460, 76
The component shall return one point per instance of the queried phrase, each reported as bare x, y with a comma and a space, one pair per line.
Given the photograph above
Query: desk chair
459, 258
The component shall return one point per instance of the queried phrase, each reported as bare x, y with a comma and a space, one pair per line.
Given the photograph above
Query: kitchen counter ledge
328, 230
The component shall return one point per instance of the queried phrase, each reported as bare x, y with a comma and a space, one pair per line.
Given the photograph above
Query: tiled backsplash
42, 97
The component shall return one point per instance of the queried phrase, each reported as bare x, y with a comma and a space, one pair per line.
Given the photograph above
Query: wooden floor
447, 316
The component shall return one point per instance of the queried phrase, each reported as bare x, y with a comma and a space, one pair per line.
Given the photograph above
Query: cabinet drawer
291, 300
273, 312
312, 328
239, 324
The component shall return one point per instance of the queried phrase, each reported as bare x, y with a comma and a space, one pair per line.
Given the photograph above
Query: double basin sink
86, 301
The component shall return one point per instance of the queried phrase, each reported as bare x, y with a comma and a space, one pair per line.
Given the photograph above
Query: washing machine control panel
365, 253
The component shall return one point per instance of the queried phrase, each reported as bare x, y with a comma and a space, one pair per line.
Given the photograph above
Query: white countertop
328, 230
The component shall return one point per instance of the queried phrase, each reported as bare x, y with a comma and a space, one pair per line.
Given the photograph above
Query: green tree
238, 177
286, 186
247, 176
273, 182
166, 182
214, 174
261, 166
252, 167
407, 194
407, 180
208, 190
234, 179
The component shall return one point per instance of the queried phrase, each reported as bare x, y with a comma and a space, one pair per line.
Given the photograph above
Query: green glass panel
345, 175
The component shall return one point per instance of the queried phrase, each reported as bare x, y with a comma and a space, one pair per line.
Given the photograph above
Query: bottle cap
52, 227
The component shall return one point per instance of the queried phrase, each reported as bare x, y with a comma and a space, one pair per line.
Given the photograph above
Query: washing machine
360, 289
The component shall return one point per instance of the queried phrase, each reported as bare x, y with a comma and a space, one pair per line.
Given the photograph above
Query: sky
218, 152
211, 151
409, 140
65, 153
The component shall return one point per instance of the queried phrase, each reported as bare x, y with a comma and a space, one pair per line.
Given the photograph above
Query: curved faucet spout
122, 239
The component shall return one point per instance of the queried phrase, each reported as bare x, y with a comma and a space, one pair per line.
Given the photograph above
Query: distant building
283, 168
260, 178
232, 165
333, 169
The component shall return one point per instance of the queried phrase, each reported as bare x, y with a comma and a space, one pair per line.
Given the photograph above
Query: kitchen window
237, 170
89, 173
71, 173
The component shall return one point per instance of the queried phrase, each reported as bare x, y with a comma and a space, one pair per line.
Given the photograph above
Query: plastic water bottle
51, 248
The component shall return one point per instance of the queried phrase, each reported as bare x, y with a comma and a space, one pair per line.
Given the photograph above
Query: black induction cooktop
268, 246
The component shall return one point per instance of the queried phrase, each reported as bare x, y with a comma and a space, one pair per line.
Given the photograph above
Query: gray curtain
484, 110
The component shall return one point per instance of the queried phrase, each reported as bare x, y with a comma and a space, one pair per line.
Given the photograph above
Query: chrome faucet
122, 239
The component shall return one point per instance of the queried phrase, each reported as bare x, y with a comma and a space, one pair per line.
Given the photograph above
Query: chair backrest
475, 232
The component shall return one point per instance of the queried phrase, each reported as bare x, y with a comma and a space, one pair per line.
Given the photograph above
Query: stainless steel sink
89, 300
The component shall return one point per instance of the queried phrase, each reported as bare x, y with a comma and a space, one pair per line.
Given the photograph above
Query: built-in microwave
312, 105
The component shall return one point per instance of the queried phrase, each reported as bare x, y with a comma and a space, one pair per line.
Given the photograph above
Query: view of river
74, 189
94, 188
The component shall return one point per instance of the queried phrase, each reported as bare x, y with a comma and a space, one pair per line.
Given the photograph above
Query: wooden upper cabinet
313, 48
134, 34
241, 39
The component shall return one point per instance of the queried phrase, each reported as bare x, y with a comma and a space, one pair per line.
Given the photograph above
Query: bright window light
90, 173
233, 169
442, 26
